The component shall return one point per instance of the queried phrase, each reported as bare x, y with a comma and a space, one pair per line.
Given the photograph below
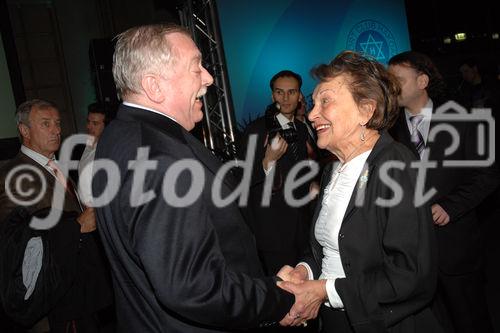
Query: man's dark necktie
292, 146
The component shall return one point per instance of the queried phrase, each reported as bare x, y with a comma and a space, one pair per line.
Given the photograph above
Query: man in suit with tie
459, 190
181, 260
280, 227
33, 186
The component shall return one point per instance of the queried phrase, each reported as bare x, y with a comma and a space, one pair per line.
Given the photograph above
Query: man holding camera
280, 225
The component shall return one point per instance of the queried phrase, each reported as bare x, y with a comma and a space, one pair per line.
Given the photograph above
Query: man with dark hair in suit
281, 227
459, 190
181, 260
476, 90
33, 187
97, 118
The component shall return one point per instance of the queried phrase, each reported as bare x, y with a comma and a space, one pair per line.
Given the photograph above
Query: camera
274, 127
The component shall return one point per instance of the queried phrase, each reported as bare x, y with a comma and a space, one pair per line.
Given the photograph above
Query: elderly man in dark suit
458, 190
30, 182
182, 260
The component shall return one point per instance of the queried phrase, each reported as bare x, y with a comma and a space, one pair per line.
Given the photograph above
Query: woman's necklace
343, 165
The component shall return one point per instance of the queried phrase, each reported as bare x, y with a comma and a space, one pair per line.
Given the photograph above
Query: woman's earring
362, 135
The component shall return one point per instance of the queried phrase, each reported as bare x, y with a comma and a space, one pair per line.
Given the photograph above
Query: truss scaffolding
200, 17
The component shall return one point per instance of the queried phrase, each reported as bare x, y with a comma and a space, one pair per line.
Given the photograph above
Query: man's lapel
403, 133
51, 181
358, 194
171, 128
208, 159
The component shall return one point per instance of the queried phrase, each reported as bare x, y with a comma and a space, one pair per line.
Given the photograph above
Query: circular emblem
372, 39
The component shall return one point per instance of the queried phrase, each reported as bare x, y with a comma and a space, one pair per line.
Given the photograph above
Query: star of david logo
372, 39
373, 48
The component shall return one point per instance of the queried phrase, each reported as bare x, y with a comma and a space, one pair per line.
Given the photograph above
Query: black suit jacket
7, 205
86, 291
176, 267
388, 253
458, 190
278, 227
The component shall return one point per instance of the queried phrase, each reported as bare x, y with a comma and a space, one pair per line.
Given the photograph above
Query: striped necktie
416, 136
68, 185
58, 173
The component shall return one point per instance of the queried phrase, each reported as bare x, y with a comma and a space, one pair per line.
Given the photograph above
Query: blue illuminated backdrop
262, 37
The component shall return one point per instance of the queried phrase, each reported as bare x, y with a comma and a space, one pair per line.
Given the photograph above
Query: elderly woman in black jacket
373, 261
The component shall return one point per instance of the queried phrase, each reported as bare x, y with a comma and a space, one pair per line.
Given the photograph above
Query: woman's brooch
363, 180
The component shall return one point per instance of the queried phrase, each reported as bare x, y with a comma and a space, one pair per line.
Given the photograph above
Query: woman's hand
439, 215
309, 295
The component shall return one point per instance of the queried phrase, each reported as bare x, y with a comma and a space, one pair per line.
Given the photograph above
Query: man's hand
295, 275
87, 220
314, 190
439, 215
275, 149
309, 295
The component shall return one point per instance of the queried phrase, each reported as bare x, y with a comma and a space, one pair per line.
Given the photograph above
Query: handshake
309, 295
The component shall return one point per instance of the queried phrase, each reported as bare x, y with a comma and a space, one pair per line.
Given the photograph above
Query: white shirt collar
149, 109
37, 157
283, 120
426, 111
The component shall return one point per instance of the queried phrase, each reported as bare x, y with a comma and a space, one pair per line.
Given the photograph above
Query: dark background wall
430, 22
48, 42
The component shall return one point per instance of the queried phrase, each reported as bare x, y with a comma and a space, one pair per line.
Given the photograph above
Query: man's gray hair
24, 110
142, 50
